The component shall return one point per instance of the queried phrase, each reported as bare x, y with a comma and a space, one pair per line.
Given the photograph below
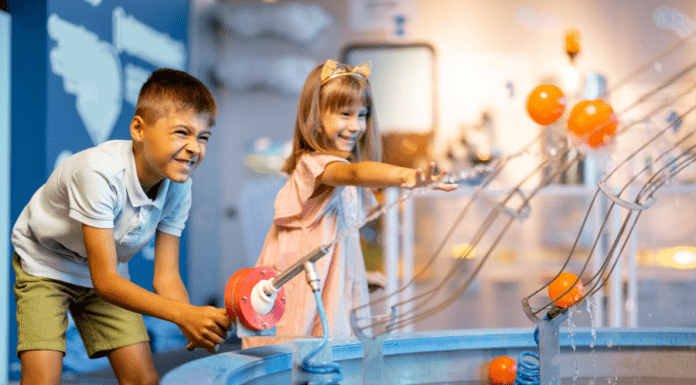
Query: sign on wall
392, 16
100, 53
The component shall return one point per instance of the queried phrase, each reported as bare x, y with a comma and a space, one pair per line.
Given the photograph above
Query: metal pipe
296, 268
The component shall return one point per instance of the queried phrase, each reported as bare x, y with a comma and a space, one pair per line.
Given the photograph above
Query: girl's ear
136, 128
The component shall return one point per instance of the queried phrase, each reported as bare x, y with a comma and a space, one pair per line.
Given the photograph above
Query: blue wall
28, 125
5, 25
80, 64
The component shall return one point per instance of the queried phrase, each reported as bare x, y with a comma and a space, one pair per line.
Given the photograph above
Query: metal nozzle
312, 275
296, 268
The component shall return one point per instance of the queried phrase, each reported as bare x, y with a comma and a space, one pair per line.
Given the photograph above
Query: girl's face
345, 126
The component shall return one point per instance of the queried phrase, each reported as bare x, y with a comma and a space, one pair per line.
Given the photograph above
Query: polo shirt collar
136, 194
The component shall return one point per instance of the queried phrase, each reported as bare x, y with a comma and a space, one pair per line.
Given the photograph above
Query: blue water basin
656, 355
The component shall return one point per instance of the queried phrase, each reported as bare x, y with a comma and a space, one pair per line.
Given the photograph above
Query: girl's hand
419, 179
205, 326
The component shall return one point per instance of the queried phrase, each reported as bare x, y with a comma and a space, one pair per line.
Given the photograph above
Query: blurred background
450, 78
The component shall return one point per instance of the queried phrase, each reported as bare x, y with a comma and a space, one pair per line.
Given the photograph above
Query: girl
335, 157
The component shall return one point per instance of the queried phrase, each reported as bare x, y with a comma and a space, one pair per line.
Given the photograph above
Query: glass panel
402, 80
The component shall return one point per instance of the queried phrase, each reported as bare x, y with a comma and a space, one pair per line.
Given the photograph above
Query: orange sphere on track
560, 285
546, 104
593, 121
502, 370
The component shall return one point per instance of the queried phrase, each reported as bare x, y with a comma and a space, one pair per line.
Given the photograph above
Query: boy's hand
205, 326
419, 179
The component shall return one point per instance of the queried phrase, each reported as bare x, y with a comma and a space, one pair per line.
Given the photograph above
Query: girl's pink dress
309, 214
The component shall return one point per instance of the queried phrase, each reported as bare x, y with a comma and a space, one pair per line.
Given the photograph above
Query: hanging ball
546, 104
572, 41
502, 370
593, 121
560, 285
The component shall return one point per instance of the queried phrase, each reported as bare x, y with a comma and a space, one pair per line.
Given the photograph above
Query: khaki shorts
42, 306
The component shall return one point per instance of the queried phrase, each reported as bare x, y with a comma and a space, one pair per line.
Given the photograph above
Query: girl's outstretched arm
381, 175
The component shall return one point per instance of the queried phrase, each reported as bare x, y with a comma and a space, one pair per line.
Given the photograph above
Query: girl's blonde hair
317, 99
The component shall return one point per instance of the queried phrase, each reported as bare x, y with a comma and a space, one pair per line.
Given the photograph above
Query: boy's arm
381, 175
167, 278
205, 325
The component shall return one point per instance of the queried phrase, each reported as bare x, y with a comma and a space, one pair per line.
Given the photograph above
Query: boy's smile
170, 148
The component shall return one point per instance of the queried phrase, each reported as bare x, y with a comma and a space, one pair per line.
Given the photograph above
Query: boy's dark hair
179, 88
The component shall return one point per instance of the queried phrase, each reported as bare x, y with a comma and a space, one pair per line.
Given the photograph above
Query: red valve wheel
238, 299
229, 293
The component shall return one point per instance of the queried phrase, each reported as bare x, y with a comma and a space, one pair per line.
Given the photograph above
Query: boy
99, 208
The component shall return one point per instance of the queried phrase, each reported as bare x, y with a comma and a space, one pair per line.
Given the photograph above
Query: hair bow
334, 69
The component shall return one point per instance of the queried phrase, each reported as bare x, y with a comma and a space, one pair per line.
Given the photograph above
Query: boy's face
172, 147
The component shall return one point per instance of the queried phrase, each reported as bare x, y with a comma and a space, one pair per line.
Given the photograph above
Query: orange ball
593, 121
502, 370
546, 104
560, 285
572, 41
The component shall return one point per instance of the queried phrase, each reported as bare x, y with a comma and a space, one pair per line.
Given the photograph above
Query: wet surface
594, 381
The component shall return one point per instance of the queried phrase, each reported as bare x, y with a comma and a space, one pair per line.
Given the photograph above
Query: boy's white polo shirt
100, 188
